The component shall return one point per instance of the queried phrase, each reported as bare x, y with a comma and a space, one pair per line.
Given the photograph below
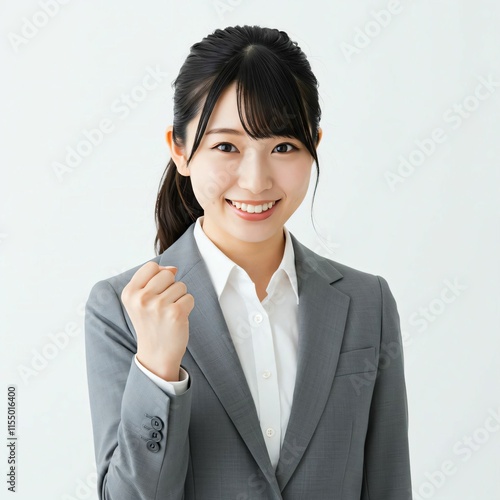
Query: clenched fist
159, 309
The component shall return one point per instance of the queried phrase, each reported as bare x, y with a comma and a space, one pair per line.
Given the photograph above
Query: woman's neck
260, 259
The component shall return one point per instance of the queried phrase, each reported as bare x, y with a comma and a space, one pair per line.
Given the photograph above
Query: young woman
237, 363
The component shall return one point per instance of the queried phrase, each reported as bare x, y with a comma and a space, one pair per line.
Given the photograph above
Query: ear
177, 153
320, 135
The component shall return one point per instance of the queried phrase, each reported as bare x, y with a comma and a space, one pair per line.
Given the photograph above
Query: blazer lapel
322, 317
212, 348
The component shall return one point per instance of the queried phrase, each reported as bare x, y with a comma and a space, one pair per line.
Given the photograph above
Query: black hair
278, 91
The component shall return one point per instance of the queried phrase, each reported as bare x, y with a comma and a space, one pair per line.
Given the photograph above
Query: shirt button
266, 374
270, 432
258, 318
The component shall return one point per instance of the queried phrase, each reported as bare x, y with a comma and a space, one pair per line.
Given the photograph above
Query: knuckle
182, 286
174, 312
126, 294
190, 301
142, 300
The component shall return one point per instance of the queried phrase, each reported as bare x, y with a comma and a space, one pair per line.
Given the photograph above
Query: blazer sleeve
386, 470
141, 439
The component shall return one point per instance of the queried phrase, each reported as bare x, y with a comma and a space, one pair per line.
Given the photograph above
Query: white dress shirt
265, 335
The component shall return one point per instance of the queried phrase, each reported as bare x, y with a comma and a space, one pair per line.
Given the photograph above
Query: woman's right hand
159, 309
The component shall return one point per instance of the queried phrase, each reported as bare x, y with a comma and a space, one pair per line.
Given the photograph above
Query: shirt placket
267, 380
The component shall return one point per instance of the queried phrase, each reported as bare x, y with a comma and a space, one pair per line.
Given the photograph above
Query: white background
439, 225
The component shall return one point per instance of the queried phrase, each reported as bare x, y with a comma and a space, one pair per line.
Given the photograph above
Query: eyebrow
224, 131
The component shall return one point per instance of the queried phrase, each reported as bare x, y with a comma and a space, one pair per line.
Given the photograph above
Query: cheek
296, 181
210, 183
203, 190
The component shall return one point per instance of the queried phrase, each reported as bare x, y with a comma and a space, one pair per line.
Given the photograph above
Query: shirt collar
220, 265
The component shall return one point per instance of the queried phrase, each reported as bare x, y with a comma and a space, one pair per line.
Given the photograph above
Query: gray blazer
347, 437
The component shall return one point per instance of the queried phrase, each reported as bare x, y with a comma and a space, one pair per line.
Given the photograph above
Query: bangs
268, 97
269, 100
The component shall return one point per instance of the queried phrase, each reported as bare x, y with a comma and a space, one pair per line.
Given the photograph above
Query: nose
254, 173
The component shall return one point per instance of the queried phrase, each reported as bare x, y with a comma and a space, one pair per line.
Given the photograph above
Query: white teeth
253, 208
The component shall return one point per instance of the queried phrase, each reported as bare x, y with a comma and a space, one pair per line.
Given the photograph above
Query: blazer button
155, 436
153, 446
156, 423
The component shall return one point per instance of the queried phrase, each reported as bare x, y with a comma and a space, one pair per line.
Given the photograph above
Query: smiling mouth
252, 208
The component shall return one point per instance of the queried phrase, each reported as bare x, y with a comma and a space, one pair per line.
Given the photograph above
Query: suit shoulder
353, 274
367, 286
357, 281
346, 278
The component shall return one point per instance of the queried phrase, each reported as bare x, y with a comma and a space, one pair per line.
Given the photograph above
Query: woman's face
233, 166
